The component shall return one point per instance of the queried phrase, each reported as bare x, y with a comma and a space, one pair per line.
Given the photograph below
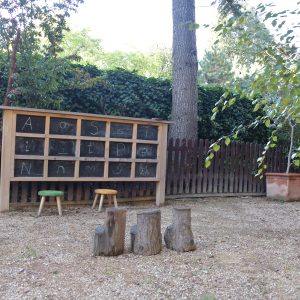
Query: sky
145, 25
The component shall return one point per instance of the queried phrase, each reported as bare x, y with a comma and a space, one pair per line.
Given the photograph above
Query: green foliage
79, 46
82, 48
215, 68
35, 29
275, 86
236, 45
239, 114
119, 92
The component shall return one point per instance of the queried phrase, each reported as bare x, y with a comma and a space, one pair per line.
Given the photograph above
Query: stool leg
101, 202
95, 201
41, 205
115, 200
109, 200
59, 206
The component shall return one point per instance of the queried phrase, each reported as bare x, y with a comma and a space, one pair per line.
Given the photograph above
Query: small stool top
106, 192
50, 193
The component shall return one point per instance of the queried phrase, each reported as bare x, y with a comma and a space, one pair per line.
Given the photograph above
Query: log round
109, 239
146, 236
179, 235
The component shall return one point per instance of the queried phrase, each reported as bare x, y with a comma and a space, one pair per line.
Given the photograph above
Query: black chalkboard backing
91, 149
63, 126
30, 124
29, 146
62, 147
145, 170
121, 130
147, 132
93, 128
119, 169
29, 168
120, 150
146, 151
91, 169
62, 168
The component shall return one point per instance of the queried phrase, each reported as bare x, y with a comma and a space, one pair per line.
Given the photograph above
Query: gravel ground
247, 248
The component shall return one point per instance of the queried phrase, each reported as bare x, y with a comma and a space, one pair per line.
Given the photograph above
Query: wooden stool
50, 193
102, 192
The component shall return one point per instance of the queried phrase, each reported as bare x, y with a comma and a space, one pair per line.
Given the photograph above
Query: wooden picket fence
232, 172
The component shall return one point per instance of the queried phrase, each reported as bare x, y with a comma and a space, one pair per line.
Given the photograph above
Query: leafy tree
79, 46
31, 31
236, 50
275, 89
215, 67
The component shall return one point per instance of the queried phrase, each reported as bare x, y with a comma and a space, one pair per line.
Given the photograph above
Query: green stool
50, 193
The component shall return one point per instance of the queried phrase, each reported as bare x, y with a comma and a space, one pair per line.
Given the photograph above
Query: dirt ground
247, 248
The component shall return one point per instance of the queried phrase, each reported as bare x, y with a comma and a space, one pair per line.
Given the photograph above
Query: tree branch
13, 67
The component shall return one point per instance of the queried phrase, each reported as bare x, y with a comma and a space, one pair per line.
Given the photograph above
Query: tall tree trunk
13, 67
185, 68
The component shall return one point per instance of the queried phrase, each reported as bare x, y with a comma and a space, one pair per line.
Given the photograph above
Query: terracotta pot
283, 186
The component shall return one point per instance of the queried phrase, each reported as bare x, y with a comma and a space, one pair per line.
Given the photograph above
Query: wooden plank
241, 167
7, 142
194, 166
14, 192
251, 167
211, 171
78, 195
255, 178
161, 167
236, 167
226, 168
24, 192
188, 167
232, 166
200, 162
34, 191
62, 187
70, 188
205, 170
259, 181
86, 192
222, 167
86, 116
216, 173
183, 147
170, 164
176, 167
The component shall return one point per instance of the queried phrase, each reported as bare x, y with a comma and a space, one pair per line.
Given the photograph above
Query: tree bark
179, 235
109, 239
13, 67
185, 69
146, 234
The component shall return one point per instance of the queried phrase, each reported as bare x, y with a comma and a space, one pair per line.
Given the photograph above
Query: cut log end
109, 239
179, 235
146, 236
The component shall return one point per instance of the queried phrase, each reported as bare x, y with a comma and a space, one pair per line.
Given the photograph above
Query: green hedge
127, 94
123, 93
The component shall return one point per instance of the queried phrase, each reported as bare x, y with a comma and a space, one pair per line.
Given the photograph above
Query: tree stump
109, 239
146, 236
179, 235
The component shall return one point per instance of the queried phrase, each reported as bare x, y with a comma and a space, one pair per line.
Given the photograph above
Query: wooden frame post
161, 172
7, 136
